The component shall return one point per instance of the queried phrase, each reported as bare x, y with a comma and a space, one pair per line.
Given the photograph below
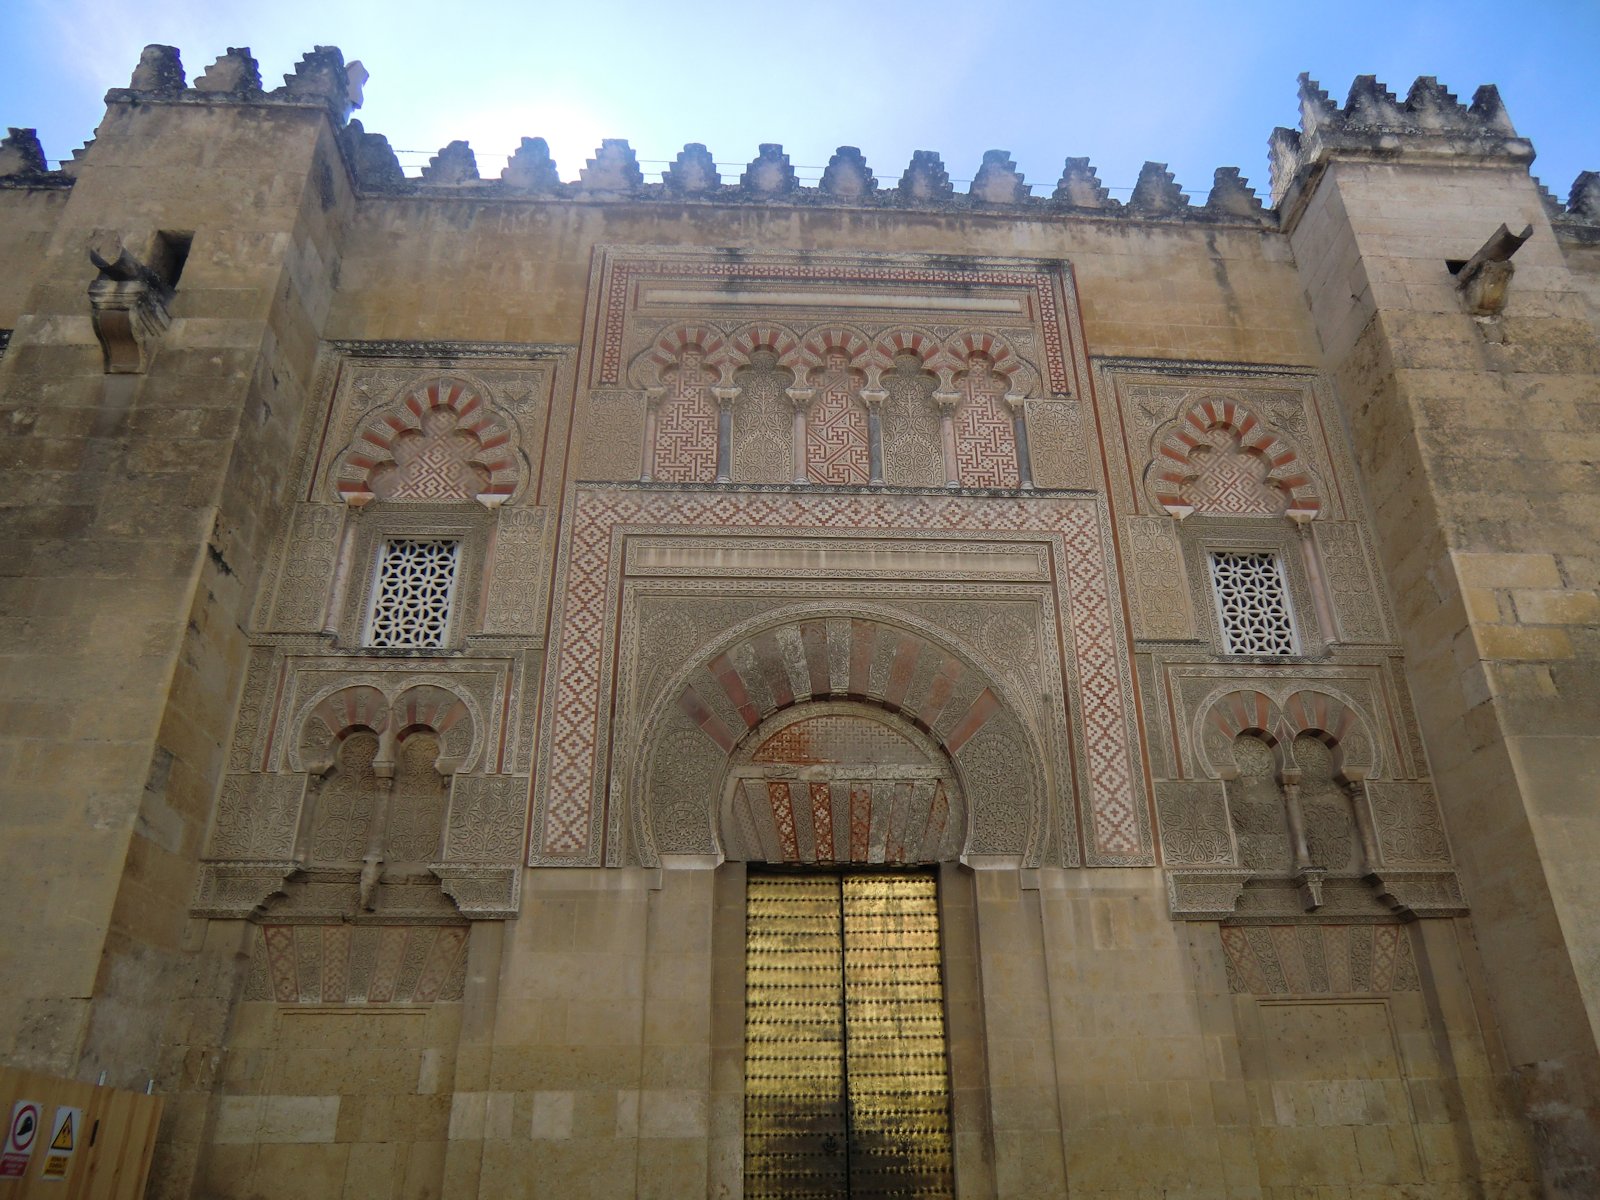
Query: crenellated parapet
22, 162
1579, 219
320, 79
848, 181
1429, 124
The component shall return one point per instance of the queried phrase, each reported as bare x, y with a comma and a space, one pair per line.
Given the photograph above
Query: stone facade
426, 600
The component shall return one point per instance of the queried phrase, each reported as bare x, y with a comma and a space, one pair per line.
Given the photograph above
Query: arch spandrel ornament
691, 780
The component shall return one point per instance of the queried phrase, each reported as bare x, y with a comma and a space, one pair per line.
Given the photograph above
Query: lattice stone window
1252, 602
415, 586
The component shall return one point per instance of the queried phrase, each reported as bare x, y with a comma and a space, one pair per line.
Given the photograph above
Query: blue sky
1197, 84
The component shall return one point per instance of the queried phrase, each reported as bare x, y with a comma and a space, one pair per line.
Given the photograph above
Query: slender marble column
801, 398
724, 397
1017, 403
873, 398
947, 401
652, 415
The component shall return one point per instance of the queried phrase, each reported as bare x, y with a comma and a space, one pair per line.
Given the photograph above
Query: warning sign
63, 1141
20, 1137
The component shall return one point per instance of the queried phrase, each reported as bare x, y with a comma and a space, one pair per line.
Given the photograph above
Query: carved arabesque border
570, 786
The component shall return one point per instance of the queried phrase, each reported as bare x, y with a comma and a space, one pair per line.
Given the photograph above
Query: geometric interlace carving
686, 428
986, 439
836, 430
411, 598
1231, 481
1252, 603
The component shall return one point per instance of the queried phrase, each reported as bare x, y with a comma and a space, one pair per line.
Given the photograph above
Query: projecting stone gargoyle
127, 303
1484, 278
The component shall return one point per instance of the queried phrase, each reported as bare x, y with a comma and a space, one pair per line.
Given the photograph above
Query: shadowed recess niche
841, 782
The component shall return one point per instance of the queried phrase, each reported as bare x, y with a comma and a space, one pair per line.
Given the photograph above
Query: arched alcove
900, 681
840, 782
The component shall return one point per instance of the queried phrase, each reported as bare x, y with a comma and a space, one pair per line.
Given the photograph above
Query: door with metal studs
846, 1070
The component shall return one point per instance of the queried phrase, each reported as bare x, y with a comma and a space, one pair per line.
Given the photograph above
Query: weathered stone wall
31, 217
1148, 290
1583, 260
139, 512
1473, 440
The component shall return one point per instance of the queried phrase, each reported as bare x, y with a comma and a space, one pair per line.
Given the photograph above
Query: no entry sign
21, 1134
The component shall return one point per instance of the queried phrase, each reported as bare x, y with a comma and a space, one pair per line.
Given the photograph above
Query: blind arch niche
839, 781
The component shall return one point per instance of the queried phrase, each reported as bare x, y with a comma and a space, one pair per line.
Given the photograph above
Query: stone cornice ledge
482, 893
1205, 893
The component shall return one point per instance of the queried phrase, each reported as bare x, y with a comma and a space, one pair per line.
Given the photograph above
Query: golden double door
846, 1075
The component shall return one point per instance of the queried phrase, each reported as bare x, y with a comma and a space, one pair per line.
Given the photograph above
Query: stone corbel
1205, 893
127, 304
367, 886
1309, 881
235, 890
481, 893
1423, 893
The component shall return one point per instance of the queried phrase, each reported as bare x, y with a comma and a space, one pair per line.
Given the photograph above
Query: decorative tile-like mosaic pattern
366, 964
1266, 960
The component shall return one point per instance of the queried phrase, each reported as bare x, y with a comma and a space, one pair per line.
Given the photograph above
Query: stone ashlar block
1548, 606
1507, 570
1523, 642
